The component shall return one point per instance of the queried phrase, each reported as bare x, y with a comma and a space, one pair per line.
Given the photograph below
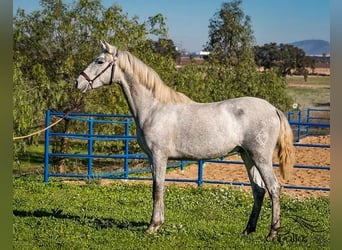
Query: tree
231, 70
285, 58
230, 35
165, 47
266, 56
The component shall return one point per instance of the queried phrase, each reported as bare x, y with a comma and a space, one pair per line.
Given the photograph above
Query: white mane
146, 76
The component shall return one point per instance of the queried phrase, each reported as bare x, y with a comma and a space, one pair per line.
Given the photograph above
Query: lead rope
42, 130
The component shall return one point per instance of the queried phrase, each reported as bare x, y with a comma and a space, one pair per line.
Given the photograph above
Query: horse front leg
158, 173
258, 195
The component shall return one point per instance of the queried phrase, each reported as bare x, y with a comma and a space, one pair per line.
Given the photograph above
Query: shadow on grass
32, 157
97, 223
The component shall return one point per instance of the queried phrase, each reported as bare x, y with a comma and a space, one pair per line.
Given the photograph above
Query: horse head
101, 71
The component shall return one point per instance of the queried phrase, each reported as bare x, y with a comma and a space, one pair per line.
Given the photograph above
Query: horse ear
103, 45
110, 48
107, 47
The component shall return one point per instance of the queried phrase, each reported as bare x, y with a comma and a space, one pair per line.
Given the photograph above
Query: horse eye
99, 61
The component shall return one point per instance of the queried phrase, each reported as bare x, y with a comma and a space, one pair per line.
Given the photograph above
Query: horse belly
205, 141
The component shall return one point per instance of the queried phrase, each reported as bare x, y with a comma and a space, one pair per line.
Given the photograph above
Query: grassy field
315, 93
69, 216
311, 80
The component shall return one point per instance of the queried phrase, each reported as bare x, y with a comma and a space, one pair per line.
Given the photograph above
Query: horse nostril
76, 84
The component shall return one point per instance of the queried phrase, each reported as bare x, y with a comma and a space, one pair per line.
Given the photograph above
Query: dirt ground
300, 177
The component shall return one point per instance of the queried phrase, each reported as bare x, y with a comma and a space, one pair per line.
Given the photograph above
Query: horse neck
140, 100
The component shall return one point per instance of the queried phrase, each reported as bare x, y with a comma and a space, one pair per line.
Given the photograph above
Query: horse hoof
247, 231
152, 229
273, 233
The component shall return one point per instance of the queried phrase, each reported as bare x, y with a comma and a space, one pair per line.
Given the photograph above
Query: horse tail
285, 146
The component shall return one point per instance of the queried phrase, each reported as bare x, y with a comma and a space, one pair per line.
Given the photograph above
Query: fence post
299, 126
200, 173
308, 119
182, 165
90, 147
127, 125
46, 146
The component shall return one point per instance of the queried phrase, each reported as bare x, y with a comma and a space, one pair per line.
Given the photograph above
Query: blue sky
281, 21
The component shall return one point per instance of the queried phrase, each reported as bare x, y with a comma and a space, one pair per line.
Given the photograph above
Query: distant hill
313, 47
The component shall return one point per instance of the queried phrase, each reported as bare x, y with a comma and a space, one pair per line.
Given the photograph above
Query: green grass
33, 157
315, 93
33, 161
311, 80
310, 98
69, 216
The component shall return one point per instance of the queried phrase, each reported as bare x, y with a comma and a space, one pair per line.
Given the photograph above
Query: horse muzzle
82, 86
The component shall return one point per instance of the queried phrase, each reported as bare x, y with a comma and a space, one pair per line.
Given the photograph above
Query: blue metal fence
91, 137
127, 122
303, 120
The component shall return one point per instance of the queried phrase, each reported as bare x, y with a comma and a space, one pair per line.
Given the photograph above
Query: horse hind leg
258, 189
265, 169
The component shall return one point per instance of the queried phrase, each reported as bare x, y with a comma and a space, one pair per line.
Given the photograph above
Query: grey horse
172, 126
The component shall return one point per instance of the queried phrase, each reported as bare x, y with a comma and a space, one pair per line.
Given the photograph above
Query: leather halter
111, 64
